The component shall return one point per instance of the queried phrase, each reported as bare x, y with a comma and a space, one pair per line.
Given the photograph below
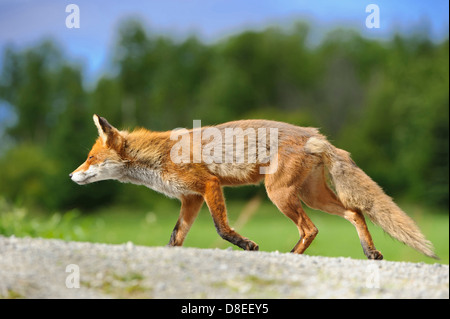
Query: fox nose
70, 175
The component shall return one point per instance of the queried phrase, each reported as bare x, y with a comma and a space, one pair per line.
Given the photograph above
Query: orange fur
302, 156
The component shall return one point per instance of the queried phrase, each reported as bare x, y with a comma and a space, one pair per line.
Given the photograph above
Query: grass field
267, 227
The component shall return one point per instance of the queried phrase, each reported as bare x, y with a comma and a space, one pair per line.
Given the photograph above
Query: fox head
104, 161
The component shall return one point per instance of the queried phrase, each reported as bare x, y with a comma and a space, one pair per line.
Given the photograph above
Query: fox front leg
214, 199
190, 206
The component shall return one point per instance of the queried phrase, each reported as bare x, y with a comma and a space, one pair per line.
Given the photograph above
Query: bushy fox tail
359, 192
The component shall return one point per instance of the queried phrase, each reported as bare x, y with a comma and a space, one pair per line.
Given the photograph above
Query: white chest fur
153, 178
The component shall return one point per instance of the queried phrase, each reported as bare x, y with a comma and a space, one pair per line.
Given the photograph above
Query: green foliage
27, 83
386, 102
405, 124
17, 221
268, 227
26, 173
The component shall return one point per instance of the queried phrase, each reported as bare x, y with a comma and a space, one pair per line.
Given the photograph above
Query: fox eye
91, 157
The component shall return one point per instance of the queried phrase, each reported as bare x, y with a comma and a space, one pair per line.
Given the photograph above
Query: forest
384, 101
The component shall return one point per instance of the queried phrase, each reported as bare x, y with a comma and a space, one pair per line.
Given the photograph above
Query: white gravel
40, 268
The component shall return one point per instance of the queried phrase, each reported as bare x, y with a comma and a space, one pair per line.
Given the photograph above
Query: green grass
267, 227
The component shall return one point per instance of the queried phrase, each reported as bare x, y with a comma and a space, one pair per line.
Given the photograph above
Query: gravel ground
43, 268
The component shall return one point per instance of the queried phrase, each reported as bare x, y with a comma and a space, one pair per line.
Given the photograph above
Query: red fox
184, 164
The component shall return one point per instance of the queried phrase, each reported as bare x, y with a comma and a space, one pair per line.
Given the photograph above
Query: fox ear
106, 131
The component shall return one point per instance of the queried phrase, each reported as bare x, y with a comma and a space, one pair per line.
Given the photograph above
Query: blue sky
25, 22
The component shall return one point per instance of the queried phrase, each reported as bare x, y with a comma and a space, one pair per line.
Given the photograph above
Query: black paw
374, 254
250, 245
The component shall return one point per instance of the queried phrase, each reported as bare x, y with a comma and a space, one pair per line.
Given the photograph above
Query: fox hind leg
316, 194
288, 202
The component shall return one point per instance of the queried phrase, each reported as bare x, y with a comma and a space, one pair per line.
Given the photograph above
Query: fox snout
74, 179
86, 174
81, 177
